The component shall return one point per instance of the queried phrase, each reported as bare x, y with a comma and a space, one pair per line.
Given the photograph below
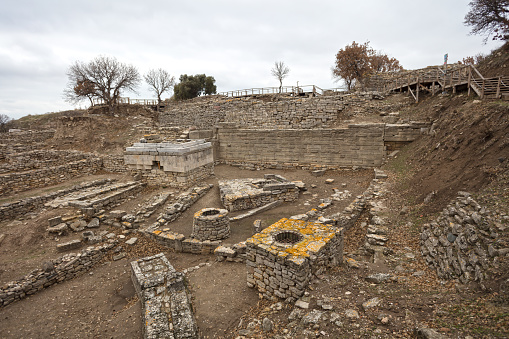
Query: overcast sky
235, 41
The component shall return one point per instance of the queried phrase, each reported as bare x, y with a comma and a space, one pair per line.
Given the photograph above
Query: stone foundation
157, 177
241, 194
24, 206
282, 259
178, 164
54, 271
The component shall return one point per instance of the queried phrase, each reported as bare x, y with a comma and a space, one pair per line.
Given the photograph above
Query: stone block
71, 245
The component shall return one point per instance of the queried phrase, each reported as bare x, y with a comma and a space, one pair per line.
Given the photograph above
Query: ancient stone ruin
167, 310
173, 164
211, 224
282, 258
241, 194
176, 167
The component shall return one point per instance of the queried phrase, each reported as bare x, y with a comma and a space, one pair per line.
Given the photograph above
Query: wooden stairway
436, 79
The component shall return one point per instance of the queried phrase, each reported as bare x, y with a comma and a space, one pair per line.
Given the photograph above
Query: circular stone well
287, 238
211, 224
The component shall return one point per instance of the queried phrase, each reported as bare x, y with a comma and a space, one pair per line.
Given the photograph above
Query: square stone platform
169, 157
282, 259
178, 164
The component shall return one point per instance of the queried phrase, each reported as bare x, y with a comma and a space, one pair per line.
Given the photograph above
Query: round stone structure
211, 224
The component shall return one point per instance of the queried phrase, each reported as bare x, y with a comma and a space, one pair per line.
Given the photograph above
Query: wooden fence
291, 90
435, 79
143, 102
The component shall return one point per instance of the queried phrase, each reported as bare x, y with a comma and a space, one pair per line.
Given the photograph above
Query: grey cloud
237, 42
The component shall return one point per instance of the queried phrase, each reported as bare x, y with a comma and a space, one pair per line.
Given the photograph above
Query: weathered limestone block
167, 310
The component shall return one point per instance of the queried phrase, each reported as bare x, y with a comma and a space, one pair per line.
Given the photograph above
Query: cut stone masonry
241, 194
172, 164
167, 310
282, 258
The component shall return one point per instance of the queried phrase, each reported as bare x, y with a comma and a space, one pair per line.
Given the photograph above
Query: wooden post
498, 86
469, 79
433, 88
417, 90
482, 90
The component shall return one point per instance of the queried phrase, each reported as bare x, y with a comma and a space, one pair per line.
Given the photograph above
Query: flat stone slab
131, 241
260, 209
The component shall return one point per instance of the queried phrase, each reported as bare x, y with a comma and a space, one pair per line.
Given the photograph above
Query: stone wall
357, 145
22, 181
157, 177
107, 197
265, 111
462, 242
23, 206
398, 135
114, 163
52, 272
37, 159
24, 137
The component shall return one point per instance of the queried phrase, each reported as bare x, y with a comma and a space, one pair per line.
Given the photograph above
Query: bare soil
102, 303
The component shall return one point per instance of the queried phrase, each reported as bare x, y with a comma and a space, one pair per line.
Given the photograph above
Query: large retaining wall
363, 145
266, 111
357, 145
52, 272
398, 135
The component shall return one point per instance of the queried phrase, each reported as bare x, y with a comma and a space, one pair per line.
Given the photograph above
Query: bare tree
4, 123
490, 17
280, 71
159, 82
103, 78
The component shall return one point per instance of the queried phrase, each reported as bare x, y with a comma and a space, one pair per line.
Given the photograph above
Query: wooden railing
437, 78
292, 90
143, 102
